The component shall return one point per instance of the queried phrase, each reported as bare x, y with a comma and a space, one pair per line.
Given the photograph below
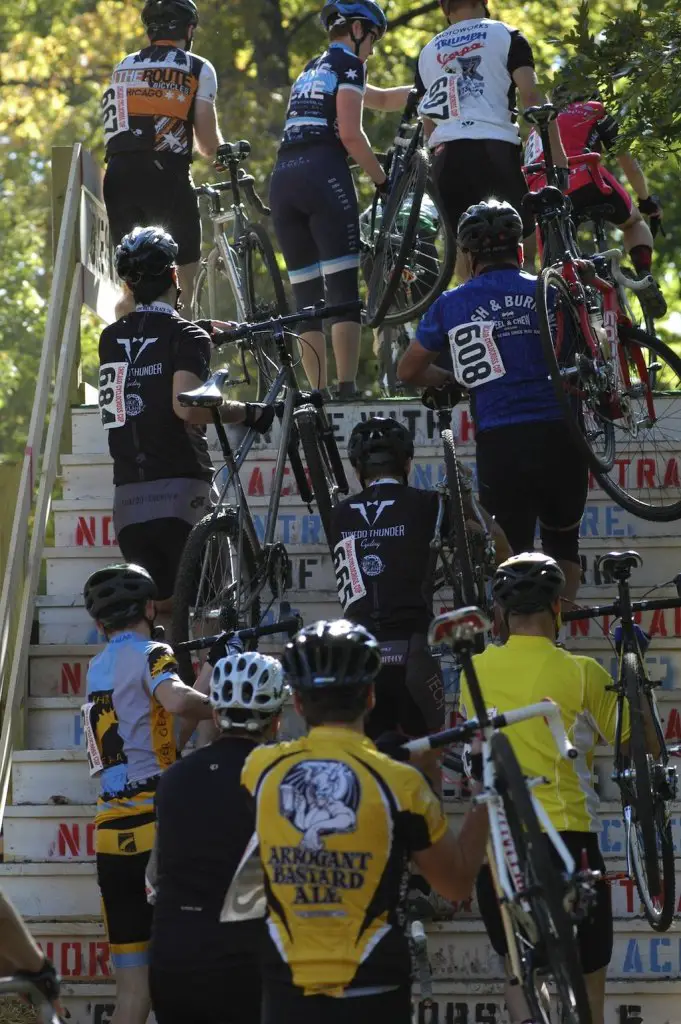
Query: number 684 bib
475, 356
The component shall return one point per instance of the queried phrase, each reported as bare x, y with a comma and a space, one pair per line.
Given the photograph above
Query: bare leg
636, 232
530, 252
164, 616
133, 1003
345, 338
313, 354
186, 275
573, 577
595, 990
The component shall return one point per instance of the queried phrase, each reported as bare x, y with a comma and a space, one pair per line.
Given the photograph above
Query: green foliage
56, 57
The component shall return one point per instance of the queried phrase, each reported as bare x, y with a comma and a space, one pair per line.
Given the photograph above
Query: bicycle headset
527, 583
489, 229
117, 595
380, 442
167, 19
327, 655
340, 12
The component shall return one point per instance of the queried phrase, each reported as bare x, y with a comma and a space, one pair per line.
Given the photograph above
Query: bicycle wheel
319, 466
265, 298
396, 235
647, 479
215, 583
463, 564
582, 382
650, 838
544, 891
214, 300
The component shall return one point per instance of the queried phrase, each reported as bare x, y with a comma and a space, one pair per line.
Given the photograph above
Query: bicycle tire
545, 888
644, 439
264, 350
647, 874
223, 307
382, 285
418, 268
463, 567
567, 389
224, 523
319, 467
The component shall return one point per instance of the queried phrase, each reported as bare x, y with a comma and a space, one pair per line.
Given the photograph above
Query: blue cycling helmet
339, 12
145, 252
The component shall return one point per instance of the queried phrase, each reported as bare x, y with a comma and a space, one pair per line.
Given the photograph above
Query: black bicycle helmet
145, 252
527, 583
169, 18
331, 654
489, 228
117, 595
379, 442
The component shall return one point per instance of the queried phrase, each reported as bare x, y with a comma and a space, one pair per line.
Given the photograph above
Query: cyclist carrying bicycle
585, 126
312, 194
467, 77
160, 102
529, 668
201, 970
133, 693
337, 823
162, 469
529, 468
21, 956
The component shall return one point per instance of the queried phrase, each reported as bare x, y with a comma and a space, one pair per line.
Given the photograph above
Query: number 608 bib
475, 356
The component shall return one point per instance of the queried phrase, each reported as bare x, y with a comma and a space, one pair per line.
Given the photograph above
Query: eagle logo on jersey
320, 798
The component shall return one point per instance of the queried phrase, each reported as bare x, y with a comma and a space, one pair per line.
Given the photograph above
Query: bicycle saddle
619, 564
458, 628
208, 395
595, 213
540, 116
546, 199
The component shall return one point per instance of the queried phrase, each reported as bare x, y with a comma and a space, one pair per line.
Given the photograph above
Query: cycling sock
347, 389
642, 258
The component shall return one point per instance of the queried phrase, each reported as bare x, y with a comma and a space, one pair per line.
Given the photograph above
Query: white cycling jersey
465, 80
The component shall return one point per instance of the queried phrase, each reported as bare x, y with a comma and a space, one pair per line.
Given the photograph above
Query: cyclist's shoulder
591, 669
266, 756
124, 653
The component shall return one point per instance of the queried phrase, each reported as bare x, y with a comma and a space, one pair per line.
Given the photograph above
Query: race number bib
534, 151
441, 101
348, 574
112, 394
475, 355
94, 756
115, 111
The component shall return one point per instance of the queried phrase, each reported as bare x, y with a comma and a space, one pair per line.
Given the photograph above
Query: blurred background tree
56, 57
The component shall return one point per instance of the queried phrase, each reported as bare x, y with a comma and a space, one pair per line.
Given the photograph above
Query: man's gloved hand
392, 744
383, 189
446, 396
223, 647
650, 206
259, 416
46, 980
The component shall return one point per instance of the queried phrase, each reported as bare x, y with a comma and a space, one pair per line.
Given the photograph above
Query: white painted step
50, 891
78, 949
51, 777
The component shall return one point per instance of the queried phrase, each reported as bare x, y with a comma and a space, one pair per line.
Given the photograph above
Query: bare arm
17, 947
184, 380
353, 136
531, 96
415, 368
428, 127
451, 865
386, 99
179, 699
206, 132
634, 174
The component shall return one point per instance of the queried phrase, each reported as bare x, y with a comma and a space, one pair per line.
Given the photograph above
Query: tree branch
409, 16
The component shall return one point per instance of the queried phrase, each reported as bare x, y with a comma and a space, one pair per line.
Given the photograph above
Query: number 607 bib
475, 356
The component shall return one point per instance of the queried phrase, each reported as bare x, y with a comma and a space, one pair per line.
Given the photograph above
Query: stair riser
38, 782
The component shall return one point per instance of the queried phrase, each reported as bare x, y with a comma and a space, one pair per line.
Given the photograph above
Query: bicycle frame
407, 139
222, 249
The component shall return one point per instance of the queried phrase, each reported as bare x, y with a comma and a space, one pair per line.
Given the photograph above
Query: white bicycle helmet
246, 690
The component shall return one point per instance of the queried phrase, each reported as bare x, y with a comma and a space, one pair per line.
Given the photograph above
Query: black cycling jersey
205, 820
138, 356
311, 113
381, 548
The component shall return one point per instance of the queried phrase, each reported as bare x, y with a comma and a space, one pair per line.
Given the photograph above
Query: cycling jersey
128, 732
465, 78
337, 822
150, 102
380, 540
311, 114
491, 326
138, 356
584, 128
526, 670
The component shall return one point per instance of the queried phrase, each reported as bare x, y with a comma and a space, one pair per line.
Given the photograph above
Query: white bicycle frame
221, 250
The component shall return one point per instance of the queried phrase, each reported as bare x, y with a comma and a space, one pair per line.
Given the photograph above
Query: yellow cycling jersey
528, 669
337, 822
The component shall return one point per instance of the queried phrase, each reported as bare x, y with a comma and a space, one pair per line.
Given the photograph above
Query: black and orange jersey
336, 822
149, 104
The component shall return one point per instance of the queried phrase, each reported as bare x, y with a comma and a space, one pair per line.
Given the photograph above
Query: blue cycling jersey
311, 114
491, 326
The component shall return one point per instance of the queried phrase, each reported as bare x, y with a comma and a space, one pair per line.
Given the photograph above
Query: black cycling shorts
230, 993
157, 545
288, 1005
594, 933
529, 472
127, 915
410, 696
316, 221
150, 188
617, 205
468, 171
